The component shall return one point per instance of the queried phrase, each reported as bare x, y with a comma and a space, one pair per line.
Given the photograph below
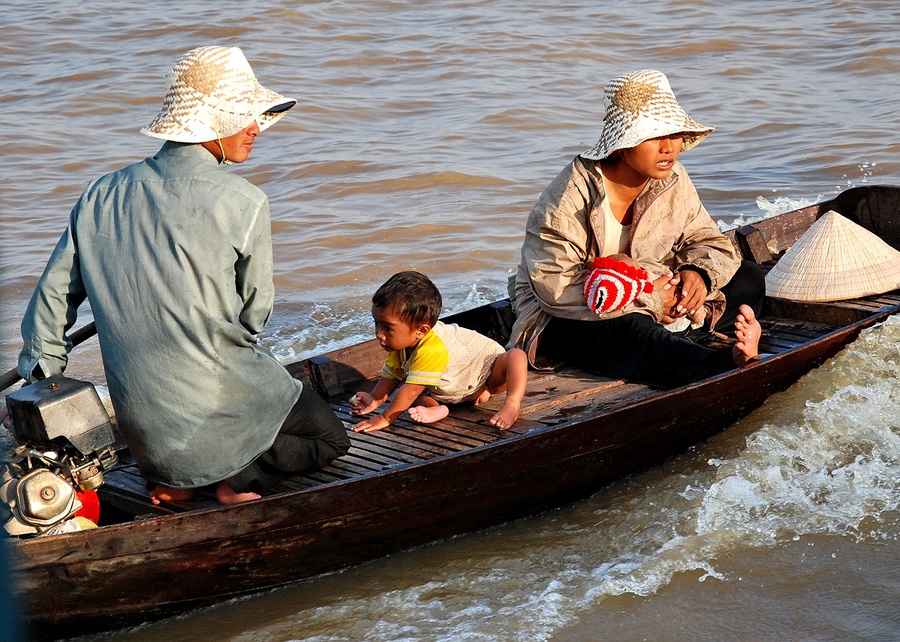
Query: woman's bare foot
506, 416
166, 494
428, 415
747, 331
226, 495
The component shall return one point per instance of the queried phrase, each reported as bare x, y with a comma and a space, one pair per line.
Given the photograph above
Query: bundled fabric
613, 284
835, 259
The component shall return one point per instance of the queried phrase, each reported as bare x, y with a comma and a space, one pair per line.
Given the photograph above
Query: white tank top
617, 237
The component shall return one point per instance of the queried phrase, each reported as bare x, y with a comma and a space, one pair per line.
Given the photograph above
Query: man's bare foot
226, 495
747, 331
426, 415
166, 494
506, 416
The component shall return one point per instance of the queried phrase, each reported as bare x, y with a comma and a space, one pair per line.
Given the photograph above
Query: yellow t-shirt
423, 364
452, 362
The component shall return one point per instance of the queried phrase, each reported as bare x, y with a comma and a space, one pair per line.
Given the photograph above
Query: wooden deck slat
324, 475
430, 436
802, 334
389, 449
603, 400
469, 433
567, 387
780, 341
352, 461
409, 443
381, 459
474, 420
291, 484
394, 447
439, 433
363, 454
455, 430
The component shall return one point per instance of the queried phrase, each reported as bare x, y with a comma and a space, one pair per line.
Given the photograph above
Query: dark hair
411, 296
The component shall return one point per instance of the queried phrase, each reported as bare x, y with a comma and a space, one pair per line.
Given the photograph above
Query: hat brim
177, 123
692, 132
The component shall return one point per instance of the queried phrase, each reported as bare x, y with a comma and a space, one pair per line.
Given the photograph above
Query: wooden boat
413, 484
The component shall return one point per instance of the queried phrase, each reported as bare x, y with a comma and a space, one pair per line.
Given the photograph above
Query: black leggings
637, 348
309, 439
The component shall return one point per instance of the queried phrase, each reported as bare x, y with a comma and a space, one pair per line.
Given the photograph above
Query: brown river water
423, 135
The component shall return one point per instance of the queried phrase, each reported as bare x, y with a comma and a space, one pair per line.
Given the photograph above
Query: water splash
867, 170
821, 458
302, 331
769, 209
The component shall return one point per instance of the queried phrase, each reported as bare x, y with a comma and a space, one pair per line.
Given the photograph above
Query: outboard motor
64, 444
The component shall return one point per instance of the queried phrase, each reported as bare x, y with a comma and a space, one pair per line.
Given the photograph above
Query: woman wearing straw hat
619, 249
174, 254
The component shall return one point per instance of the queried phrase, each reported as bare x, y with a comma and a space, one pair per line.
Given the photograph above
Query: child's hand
362, 403
372, 425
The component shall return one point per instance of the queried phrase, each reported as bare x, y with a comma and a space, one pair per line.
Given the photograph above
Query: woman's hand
693, 292
667, 286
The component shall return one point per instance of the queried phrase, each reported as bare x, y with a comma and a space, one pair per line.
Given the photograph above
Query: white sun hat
212, 93
639, 106
835, 259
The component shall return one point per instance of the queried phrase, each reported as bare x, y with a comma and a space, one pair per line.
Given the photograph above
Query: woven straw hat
212, 93
835, 259
639, 106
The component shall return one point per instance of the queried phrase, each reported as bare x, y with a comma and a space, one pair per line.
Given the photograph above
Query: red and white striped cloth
613, 284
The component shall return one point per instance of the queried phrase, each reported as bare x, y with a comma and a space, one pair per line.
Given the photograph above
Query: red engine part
90, 505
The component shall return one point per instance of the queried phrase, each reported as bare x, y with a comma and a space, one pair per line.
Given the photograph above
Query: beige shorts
472, 357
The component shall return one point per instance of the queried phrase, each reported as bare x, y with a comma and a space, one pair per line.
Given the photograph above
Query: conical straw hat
835, 259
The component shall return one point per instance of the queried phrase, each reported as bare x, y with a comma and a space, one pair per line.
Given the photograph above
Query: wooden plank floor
550, 397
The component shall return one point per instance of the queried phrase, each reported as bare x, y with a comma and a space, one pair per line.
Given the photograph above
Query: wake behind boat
411, 484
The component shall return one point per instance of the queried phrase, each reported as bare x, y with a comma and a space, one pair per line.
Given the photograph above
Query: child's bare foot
166, 494
747, 331
506, 416
226, 495
428, 415
483, 397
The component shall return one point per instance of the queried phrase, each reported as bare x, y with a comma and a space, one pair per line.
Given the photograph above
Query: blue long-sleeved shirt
174, 254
